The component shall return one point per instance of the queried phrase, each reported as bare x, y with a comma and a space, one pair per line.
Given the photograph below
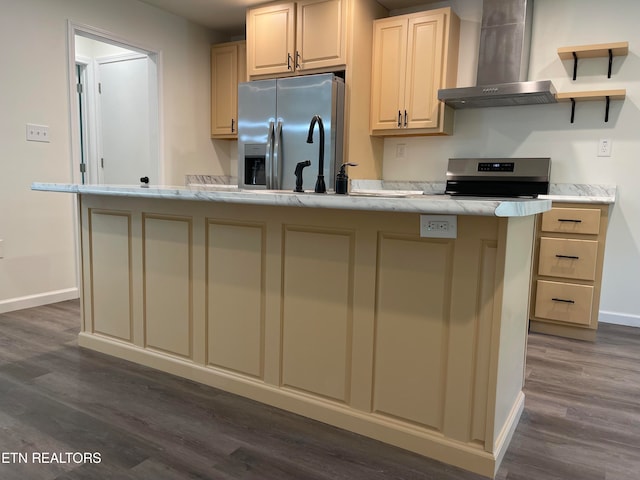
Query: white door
126, 127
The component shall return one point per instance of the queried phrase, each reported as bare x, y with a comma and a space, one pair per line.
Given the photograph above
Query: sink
271, 192
213, 187
385, 193
353, 193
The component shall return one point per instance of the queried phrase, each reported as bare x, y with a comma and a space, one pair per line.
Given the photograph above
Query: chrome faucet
320, 187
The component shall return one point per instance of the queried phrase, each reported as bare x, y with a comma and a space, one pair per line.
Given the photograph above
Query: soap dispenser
342, 181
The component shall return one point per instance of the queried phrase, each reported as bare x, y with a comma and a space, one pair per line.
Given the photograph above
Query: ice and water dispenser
255, 164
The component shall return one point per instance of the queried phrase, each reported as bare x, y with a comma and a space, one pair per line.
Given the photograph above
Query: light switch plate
37, 133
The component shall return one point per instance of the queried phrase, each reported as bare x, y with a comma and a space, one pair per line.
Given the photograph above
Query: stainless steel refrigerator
273, 122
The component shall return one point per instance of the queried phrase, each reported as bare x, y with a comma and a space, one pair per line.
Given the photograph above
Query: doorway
114, 94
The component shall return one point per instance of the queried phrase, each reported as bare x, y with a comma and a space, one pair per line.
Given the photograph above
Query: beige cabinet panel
424, 70
564, 301
320, 34
271, 39
298, 36
235, 297
568, 258
413, 295
111, 295
571, 221
414, 56
317, 311
167, 284
228, 67
389, 72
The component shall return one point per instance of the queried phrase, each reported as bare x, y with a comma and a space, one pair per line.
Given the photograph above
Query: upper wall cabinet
289, 38
228, 68
414, 56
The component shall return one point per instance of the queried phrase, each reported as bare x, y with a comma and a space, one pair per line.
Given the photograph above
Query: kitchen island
332, 307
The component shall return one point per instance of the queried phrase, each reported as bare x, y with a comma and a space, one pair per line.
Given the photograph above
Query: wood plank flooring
581, 419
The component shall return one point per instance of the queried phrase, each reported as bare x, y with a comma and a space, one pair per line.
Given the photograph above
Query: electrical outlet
604, 147
439, 226
401, 149
37, 133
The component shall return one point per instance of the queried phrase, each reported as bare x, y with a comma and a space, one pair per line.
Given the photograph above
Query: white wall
37, 227
545, 130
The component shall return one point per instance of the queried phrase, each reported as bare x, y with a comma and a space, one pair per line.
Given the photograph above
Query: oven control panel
496, 166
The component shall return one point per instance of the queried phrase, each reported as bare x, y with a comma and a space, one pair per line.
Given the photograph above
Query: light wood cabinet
320, 34
289, 38
567, 273
228, 68
413, 56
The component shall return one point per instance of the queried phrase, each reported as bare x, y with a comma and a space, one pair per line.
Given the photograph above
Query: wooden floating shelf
594, 51
591, 95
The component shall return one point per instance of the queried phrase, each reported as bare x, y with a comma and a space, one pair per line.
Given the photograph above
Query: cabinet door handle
297, 60
288, 61
572, 220
571, 257
563, 300
399, 118
405, 119
232, 125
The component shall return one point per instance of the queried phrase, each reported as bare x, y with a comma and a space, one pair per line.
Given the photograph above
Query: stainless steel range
499, 177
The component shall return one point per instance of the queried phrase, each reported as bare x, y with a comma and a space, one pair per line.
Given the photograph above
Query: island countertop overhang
421, 204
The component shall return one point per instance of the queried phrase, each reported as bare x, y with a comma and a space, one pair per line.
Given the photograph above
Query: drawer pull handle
571, 257
563, 300
572, 220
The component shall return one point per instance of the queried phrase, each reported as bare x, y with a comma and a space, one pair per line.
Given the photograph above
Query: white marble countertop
391, 202
581, 193
558, 192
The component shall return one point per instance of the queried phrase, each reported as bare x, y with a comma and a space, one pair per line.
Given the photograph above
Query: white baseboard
30, 301
619, 318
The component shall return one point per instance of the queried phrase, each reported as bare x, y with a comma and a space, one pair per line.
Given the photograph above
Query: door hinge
83, 168
79, 88
102, 162
99, 87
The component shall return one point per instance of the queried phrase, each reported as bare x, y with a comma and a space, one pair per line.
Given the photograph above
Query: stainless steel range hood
503, 61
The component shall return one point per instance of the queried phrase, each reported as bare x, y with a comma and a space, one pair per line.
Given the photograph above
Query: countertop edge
424, 204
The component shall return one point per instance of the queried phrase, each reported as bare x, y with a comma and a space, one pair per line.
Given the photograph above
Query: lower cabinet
567, 270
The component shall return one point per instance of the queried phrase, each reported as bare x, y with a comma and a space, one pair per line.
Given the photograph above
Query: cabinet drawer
567, 258
571, 220
565, 302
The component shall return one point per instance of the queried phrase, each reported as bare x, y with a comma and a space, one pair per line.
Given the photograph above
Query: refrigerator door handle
276, 182
269, 157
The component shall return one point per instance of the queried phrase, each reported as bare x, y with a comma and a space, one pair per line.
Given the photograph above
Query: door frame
74, 29
155, 89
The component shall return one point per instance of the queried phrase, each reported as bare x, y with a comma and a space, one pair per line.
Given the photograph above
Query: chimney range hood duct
503, 61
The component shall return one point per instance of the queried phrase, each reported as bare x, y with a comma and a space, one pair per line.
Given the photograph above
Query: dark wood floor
581, 418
